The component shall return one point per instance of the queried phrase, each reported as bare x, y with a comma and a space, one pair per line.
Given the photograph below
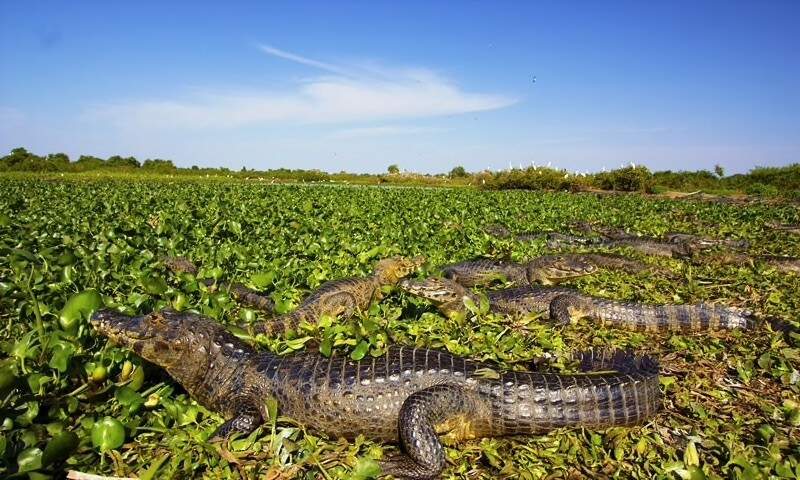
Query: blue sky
360, 85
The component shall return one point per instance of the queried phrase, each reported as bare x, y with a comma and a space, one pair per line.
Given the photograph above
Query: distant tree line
763, 181
21, 160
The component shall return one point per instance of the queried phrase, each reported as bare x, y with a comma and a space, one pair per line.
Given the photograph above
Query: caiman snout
118, 327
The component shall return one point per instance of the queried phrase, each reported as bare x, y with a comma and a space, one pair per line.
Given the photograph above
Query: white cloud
345, 94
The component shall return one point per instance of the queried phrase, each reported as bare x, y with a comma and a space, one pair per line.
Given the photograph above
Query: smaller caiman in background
561, 304
545, 270
336, 297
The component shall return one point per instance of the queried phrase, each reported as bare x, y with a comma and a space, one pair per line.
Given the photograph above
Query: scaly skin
343, 297
696, 242
406, 396
245, 295
545, 270
500, 231
563, 304
779, 263
784, 227
640, 244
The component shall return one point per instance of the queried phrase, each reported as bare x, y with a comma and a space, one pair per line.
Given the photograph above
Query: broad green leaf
78, 309
108, 434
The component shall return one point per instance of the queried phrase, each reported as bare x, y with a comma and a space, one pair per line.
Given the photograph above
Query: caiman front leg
422, 413
247, 416
564, 307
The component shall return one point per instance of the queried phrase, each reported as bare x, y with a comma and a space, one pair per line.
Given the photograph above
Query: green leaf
153, 284
108, 434
129, 397
360, 350
137, 378
150, 473
326, 347
690, 456
8, 381
62, 354
262, 279
366, 468
29, 459
79, 308
60, 447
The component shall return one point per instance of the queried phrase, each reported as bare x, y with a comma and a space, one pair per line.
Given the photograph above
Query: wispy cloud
380, 131
275, 52
344, 94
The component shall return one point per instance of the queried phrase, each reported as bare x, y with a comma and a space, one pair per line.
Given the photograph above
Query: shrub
628, 179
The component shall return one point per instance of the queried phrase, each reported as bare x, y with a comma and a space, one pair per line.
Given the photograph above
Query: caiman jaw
121, 329
430, 289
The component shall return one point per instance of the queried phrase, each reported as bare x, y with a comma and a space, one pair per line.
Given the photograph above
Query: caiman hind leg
424, 412
342, 304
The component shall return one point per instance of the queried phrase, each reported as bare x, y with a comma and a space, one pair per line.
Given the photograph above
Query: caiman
562, 304
644, 245
779, 263
501, 231
343, 296
241, 293
784, 227
697, 242
408, 395
546, 269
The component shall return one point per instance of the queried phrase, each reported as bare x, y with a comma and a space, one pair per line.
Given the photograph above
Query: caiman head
392, 270
180, 265
175, 341
444, 293
555, 268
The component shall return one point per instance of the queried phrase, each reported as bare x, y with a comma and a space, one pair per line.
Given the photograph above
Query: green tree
118, 161
393, 169
16, 157
458, 172
719, 171
89, 162
61, 159
159, 165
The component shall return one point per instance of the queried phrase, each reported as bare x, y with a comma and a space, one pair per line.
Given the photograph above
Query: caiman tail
636, 316
521, 403
278, 326
242, 294
534, 403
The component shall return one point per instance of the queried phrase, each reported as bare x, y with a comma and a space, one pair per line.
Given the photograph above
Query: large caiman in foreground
408, 396
562, 304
